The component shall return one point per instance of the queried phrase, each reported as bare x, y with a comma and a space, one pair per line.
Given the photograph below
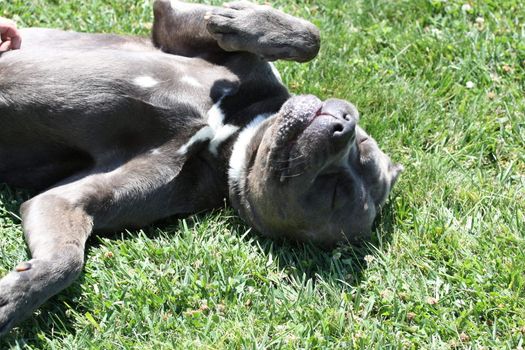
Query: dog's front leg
58, 222
199, 30
264, 31
56, 229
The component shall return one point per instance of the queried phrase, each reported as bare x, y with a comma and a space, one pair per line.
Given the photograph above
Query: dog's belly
101, 101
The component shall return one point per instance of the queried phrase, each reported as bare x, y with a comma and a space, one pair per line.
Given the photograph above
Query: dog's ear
395, 171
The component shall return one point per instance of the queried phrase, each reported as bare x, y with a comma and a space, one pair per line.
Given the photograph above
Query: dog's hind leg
58, 222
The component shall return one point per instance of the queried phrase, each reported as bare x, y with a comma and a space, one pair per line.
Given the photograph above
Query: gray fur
114, 131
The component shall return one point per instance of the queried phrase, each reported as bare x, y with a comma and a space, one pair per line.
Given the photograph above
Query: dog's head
309, 173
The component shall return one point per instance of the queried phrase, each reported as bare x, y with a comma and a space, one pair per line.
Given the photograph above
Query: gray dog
121, 131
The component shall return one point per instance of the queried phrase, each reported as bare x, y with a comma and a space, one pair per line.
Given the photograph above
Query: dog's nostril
338, 128
343, 131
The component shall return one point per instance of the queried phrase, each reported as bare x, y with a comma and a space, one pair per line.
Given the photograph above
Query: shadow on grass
342, 267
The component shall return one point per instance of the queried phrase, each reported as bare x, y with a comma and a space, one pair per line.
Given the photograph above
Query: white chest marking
145, 81
215, 132
238, 157
204, 134
221, 135
221, 132
276, 72
215, 116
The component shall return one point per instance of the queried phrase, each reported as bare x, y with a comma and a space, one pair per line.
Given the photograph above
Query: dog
118, 132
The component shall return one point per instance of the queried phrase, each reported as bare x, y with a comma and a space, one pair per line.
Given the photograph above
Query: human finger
5, 45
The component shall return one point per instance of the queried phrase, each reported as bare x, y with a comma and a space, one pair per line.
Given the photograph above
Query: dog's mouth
363, 140
320, 112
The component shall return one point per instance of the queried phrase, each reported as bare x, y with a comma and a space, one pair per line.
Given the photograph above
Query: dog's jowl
119, 132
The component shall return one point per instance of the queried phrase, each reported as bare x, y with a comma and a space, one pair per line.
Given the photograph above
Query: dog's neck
246, 144
238, 158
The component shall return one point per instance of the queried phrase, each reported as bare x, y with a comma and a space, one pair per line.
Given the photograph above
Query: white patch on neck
238, 158
221, 132
215, 116
221, 135
155, 151
145, 81
215, 132
204, 134
275, 72
190, 81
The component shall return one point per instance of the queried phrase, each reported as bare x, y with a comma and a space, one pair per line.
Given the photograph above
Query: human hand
9, 36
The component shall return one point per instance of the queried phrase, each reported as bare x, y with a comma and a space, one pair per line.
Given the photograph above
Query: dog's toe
6, 314
4, 328
3, 301
221, 21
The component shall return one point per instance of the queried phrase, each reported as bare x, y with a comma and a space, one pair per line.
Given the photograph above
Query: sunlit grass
441, 86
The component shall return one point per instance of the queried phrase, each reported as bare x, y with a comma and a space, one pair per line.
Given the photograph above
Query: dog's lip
293, 125
321, 113
314, 116
282, 152
293, 136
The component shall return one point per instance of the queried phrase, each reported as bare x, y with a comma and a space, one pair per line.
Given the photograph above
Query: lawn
440, 84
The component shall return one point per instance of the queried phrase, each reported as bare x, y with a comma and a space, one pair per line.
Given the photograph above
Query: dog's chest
225, 99
174, 80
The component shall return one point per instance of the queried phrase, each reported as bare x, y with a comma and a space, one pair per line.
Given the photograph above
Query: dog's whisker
291, 159
293, 167
291, 176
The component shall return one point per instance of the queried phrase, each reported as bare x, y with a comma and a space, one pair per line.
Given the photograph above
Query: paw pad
23, 267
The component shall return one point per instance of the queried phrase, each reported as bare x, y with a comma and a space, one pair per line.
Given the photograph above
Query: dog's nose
340, 109
343, 128
344, 119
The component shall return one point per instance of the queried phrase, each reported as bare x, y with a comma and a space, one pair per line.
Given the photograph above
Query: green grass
446, 268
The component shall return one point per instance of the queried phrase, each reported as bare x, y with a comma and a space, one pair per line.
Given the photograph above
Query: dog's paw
6, 319
222, 21
17, 295
262, 30
234, 27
